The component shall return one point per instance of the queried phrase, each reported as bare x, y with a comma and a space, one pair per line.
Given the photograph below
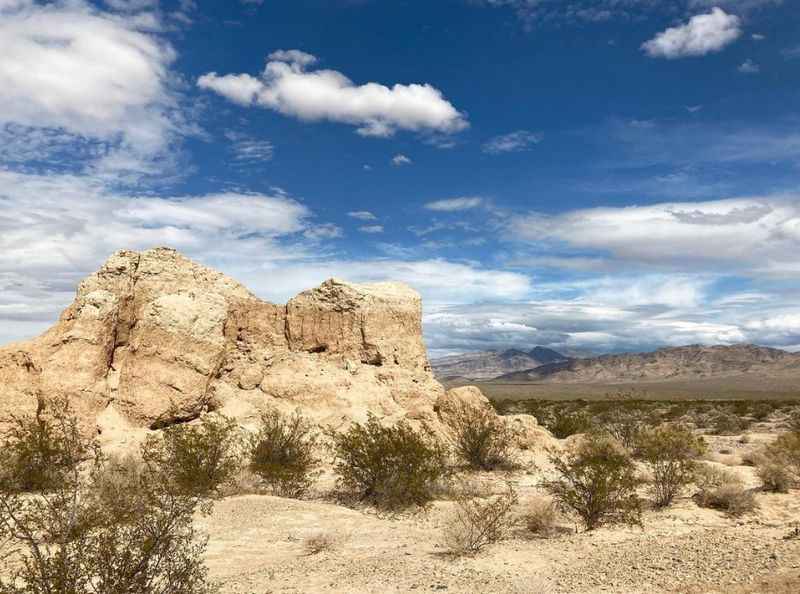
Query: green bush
562, 423
282, 453
195, 460
482, 439
728, 424
40, 451
597, 480
390, 467
785, 452
113, 529
670, 452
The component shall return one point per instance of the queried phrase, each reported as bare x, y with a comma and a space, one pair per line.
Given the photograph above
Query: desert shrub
477, 523
391, 467
113, 529
728, 424
319, 543
482, 439
197, 459
670, 453
542, 516
785, 452
624, 424
41, 450
723, 490
597, 480
281, 453
774, 476
562, 423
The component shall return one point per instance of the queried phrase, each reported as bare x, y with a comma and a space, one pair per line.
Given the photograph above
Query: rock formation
153, 338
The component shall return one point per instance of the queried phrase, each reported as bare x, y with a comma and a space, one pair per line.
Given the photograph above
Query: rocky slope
684, 363
153, 339
490, 364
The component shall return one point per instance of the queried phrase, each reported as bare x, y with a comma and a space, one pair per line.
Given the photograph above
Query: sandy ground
257, 545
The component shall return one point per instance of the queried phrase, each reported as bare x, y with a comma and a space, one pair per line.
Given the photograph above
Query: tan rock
153, 338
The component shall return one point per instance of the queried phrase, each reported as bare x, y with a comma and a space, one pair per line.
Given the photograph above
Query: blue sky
589, 175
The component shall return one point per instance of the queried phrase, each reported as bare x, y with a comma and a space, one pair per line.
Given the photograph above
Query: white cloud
455, 204
362, 215
88, 74
756, 236
250, 150
703, 34
324, 231
371, 229
749, 67
512, 142
400, 160
288, 87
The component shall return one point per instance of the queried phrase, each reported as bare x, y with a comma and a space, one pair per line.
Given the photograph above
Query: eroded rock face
153, 338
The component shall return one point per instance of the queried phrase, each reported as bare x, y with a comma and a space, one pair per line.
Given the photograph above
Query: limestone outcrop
153, 338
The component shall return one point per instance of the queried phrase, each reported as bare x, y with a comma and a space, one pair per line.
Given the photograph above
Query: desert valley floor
257, 546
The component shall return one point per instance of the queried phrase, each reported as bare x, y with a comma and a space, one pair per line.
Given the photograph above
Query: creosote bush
391, 467
108, 526
482, 439
479, 522
198, 459
723, 490
562, 424
597, 480
40, 450
281, 453
670, 453
784, 452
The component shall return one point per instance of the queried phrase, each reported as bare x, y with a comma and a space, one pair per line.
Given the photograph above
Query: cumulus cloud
755, 236
288, 87
455, 204
400, 160
512, 142
90, 75
703, 34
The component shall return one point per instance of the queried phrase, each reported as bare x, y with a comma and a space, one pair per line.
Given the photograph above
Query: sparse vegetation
784, 452
723, 490
320, 542
479, 522
114, 528
392, 467
482, 439
670, 453
597, 481
195, 460
41, 450
281, 453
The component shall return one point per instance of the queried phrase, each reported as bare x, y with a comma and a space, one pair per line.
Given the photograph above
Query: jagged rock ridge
153, 338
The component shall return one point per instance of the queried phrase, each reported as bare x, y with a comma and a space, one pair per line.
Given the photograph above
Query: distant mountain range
491, 364
674, 363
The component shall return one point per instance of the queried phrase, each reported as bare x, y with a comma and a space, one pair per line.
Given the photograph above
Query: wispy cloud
400, 160
513, 142
455, 204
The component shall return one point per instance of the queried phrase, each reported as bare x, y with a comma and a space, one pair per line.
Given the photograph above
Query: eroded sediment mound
153, 338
